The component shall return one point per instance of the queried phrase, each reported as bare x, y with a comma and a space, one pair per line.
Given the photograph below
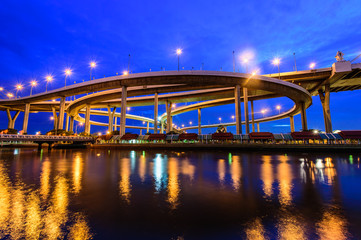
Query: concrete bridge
207, 88
40, 139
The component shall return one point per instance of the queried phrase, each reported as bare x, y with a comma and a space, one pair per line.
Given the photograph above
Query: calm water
113, 194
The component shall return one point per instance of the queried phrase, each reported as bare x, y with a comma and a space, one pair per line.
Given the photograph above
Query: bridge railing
16, 137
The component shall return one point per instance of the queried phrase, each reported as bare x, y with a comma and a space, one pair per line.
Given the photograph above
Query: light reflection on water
81, 194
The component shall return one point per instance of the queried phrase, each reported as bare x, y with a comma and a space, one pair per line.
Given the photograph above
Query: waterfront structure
208, 88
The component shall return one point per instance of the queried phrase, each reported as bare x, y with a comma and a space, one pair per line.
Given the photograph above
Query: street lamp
190, 123
51, 118
179, 52
277, 62
312, 65
10, 95
49, 78
220, 120
125, 73
278, 107
128, 108
18, 88
92, 65
32, 84
245, 61
67, 74
263, 111
232, 117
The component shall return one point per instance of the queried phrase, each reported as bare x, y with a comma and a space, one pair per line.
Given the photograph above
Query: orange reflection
290, 227
221, 170
33, 223
17, 212
330, 171
267, 175
124, 183
77, 173
45, 180
284, 174
142, 167
332, 226
173, 185
5, 196
255, 230
80, 229
236, 172
188, 169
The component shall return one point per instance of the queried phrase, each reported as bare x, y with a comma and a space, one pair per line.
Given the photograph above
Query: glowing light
53, 100
108, 132
173, 105
278, 107
52, 118
179, 51
1, 89
128, 108
81, 124
10, 95
68, 72
19, 87
49, 78
245, 60
34, 83
143, 122
232, 116
312, 65
125, 73
190, 123
276, 61
93, 64
99, 134
182, 125
220, 119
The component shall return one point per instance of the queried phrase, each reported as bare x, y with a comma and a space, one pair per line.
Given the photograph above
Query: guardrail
43, 138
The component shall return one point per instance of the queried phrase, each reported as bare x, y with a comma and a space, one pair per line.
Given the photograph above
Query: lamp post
92, 65
18, 88
48, 79
312, 65
67, 74
263, 111
220, 120
32, 84
179, 51
277, 61
10, 95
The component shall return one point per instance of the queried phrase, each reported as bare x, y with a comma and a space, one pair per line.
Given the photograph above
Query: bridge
40, 139
205, 88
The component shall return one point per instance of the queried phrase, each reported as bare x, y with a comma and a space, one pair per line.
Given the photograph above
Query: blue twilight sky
45, 37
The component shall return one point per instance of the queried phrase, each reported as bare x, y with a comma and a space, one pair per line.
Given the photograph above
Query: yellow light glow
1, 89
276, 61
312, 65
81, 124
51, 118
232, 116
278, 107
245, 60
10, 95
179, 51
99, 134
19, 87
128, 108
125, 73
68, 72
173, 105
34, 83
219, 119
108, 132
93, 64
190, 123
49, 78
263, 111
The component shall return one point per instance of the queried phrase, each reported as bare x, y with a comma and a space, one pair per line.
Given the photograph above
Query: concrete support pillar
303, 117
292, 124
26, 118
237, 103
111, 119
325, 100
168, 106
67, 122
123, 110
246, 116
147, 127
61, 113
115, 123
156, 113
258, 127
11, 123
252, 116
199, 122
55, 118
87, 119
162, 127
71, 126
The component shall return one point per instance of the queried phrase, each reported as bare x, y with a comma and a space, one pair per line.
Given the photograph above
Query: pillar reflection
290, 226
255, 230
284, 175
221, 170
80, 229
17, 217
77, 173
159, 172
236, 172
173, 184
124, 184
267, 175
45, 179
33, 223
5, 197
142, 170
332, 226
188, 169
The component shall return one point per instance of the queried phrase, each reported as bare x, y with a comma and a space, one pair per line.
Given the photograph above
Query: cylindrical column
156, 113
246, 117
252, 116
237, 94
123, 110
327, 111
67, 122
10, 119
61, 113
162, 127
303, 116
55, 117
110, 120
169, 120
199, 122
258, 127
292, 124
87, 119
147, 127
115, 123
71, 126
26, 118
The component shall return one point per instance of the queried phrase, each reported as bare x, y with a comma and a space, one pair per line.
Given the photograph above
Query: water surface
117, 194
